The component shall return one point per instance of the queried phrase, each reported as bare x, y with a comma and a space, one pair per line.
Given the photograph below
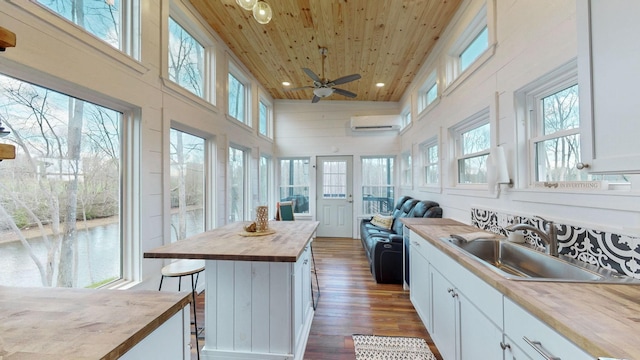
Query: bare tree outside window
186, 59
60, 191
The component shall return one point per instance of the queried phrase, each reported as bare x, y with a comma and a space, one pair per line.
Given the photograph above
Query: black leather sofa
384, 246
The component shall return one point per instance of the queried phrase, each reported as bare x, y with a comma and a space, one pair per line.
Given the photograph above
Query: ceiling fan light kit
261, 10
323, 87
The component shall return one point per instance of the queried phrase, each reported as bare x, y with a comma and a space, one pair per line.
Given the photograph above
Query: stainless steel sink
519, 262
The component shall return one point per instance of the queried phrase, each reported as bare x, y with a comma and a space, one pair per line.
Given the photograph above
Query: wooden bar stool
182, 268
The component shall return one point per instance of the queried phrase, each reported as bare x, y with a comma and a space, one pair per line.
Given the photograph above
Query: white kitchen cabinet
302, 296
608, 73
520, 325
163, 343
445, 316
420, 293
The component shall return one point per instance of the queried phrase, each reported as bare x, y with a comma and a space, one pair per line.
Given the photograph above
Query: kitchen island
87, 324
258, 289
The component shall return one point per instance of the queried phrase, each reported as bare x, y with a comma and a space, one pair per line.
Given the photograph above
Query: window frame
390, 184
281, 184
245, 182
406, 170
268, 197
244, 80
426, 164
269, 120
405, 119
197, 31
456, 132
431, 83
129, 54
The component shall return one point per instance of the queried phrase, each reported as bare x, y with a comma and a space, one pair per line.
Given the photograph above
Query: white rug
374, 347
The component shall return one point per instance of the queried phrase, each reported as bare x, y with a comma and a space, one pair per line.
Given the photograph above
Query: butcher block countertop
79, 324
227, 243
602, 319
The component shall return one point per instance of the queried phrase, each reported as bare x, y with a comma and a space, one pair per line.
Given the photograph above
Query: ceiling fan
323, 87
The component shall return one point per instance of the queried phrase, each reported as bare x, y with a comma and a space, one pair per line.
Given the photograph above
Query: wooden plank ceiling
383, 40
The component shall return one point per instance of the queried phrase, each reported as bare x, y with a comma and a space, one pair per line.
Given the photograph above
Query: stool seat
183, 268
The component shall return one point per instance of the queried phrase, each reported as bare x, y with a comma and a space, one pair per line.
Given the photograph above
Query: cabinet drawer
520, 324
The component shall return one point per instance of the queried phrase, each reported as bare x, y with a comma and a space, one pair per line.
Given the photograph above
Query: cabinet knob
449, 290
581, 166
505, 346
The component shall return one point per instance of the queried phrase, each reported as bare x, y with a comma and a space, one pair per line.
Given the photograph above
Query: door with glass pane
335, 200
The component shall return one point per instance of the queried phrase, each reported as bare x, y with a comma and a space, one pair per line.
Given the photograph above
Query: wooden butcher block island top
603, 319
227, 243
79, 324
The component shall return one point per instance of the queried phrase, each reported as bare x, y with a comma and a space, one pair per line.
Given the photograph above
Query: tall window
237, 99
406, 118
430, 163
187, 174
115, 22
406, 173
237, 184
60, 199
265, 176
474, 49
377, 184
473, 143
264, 118
294, 183
186, 59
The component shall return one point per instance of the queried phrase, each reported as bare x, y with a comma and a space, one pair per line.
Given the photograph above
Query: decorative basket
262, 218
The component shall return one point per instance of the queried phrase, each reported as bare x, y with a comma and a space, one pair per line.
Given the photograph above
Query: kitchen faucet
549, 236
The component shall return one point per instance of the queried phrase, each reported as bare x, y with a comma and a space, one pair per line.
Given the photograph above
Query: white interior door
334, 206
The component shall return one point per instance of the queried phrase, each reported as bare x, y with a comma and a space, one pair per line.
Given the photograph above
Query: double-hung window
294, 183
472, 146
551, 106
430, 163
187, 179
378, 191
115, 22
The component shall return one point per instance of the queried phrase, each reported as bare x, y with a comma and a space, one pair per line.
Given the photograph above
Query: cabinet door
479, 338
608, 69
420, 291
444, 316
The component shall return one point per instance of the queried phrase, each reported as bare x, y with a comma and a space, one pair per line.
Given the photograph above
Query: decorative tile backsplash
607, 250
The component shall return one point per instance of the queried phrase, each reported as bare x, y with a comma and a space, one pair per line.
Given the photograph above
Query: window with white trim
187, 184
471, 46
405, 118
430, 163
265, 114
115, 22
378, 191
428, 93
238, 175
406, 174
551, 107
265, 179
472, 146
474, 49
294, 183
238, 96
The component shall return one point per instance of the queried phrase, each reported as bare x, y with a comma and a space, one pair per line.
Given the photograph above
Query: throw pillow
383, 221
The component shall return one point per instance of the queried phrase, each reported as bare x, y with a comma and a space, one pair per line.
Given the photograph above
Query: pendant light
246, 4
262, 12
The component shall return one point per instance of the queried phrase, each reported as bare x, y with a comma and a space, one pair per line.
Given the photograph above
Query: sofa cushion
383, 221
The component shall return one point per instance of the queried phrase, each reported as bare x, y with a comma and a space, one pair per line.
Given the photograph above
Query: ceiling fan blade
345, 79
344, 93
312, 75
299, 88
315, 99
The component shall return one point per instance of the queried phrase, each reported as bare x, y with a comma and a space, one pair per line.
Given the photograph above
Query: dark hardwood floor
350, 303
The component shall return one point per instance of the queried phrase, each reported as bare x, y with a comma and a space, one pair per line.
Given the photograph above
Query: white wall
532, 38
51, 53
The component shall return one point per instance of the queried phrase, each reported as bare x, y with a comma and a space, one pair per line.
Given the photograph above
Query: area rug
374, 347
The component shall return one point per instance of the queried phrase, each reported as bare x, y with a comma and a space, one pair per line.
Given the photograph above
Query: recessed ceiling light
286, 83
380, 84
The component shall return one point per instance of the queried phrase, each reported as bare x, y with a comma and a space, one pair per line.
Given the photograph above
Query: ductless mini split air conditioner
375, 123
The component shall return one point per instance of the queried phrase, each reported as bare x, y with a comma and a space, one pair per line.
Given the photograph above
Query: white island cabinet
258, 289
